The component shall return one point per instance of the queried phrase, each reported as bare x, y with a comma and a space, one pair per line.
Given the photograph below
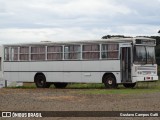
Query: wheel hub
41, 82
110, 82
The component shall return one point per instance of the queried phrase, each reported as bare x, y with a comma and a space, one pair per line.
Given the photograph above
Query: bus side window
110, 51
6, 54
54, 53
91, 51
24, 53
37, 53
72, 52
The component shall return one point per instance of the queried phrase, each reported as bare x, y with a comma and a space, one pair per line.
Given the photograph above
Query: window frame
91, 52
14, 56
81, 51
7, 54
38, 53
54, 52
24, 53
109, 51
74, 54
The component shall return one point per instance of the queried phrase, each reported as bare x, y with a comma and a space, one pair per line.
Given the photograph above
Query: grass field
141, 88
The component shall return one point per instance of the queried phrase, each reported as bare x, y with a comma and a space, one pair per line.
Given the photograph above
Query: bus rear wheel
110, 81
40, 81
129, 85
60, 85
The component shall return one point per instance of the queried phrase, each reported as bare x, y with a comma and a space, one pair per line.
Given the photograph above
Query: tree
159, 31
114, 36
157, 39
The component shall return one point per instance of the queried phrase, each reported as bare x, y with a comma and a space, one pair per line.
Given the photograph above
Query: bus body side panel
111, 66
62, 71
19, 76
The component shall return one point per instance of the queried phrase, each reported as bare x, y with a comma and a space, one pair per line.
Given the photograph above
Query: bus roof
110, 40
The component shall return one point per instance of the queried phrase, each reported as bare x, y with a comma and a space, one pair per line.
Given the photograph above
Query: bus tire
60, 85
129, 85
110, 81
40, 81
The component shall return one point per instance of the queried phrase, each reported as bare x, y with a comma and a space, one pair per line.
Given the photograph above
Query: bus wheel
40, 81
60, 85
110, 81
129, 85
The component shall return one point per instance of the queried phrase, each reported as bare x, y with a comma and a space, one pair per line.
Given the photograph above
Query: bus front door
126, 64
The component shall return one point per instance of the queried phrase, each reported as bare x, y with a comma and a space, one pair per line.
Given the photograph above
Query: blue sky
60, 20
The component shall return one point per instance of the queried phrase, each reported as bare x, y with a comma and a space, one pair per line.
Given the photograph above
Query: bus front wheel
60, 85
129, 85
40, 81
110, 81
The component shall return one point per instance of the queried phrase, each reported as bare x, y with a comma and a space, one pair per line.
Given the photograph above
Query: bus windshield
144, 55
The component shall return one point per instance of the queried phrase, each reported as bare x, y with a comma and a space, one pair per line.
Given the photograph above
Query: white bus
110, 61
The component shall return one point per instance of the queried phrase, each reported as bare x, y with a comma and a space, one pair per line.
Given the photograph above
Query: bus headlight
153, 73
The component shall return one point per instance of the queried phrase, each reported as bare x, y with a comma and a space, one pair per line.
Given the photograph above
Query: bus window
24, 53
6, 54
110, 51
144, 55
14, 54
54, 53
91, 51
72, 52
38, 53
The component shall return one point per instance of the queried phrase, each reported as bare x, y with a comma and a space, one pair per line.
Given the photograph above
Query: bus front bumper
146, 79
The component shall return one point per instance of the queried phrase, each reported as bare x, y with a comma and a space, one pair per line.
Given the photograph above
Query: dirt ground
72, 100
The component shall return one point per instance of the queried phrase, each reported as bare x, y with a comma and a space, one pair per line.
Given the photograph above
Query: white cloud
67, 34
36, 20
45, 34
38, 10
81, 7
